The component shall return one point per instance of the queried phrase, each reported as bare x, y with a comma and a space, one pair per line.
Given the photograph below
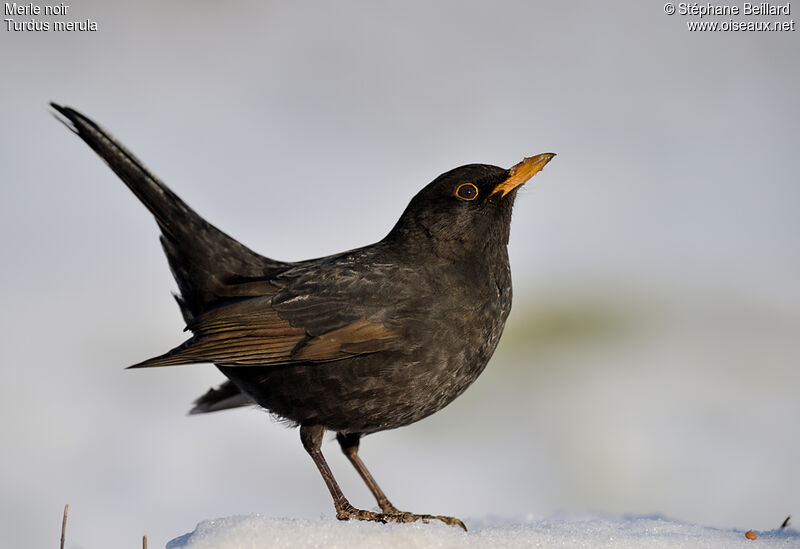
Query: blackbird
357, 342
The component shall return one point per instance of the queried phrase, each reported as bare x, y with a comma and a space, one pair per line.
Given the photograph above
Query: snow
255, 531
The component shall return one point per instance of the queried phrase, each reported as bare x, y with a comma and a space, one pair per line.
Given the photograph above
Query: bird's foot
402, 516
393, 515
389, 509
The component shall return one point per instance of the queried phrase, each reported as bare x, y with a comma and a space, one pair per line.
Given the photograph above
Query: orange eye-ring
467, 191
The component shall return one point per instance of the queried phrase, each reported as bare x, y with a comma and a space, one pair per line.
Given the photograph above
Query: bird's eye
467, 191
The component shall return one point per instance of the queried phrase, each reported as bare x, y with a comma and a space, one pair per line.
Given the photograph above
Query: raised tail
201, 256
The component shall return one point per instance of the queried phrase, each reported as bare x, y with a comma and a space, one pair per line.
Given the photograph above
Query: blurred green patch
552, 324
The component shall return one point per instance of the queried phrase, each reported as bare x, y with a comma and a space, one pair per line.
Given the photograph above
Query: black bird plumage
362, 341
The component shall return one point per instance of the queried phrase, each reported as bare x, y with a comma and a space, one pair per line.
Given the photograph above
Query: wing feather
252, 333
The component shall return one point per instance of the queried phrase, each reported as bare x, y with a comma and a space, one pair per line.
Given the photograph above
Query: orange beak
523, 171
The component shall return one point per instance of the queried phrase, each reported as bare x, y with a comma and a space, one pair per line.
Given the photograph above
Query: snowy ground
241, 532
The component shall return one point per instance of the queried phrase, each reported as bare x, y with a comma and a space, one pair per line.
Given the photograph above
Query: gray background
650, 365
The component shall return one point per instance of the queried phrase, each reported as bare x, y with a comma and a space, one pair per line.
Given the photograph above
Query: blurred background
650, 364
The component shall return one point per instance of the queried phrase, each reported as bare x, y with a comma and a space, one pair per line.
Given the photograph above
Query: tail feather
224, 397
200, 255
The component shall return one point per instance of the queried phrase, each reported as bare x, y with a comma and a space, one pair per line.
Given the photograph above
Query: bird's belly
362, 394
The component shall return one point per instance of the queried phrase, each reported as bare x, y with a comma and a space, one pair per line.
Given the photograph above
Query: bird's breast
457, 332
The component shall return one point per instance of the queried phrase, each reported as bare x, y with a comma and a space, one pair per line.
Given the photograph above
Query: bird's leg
311, 436
349, 444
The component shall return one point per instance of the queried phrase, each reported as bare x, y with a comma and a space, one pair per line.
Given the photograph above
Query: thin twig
144, 542
64, 524
786, 522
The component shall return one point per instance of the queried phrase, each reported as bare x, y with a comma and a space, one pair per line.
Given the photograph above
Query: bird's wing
204, 260
251, 332
331, 315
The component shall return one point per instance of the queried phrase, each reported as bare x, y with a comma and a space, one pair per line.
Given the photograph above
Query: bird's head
466, 209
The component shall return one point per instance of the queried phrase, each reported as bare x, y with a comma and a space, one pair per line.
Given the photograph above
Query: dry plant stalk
64, 524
